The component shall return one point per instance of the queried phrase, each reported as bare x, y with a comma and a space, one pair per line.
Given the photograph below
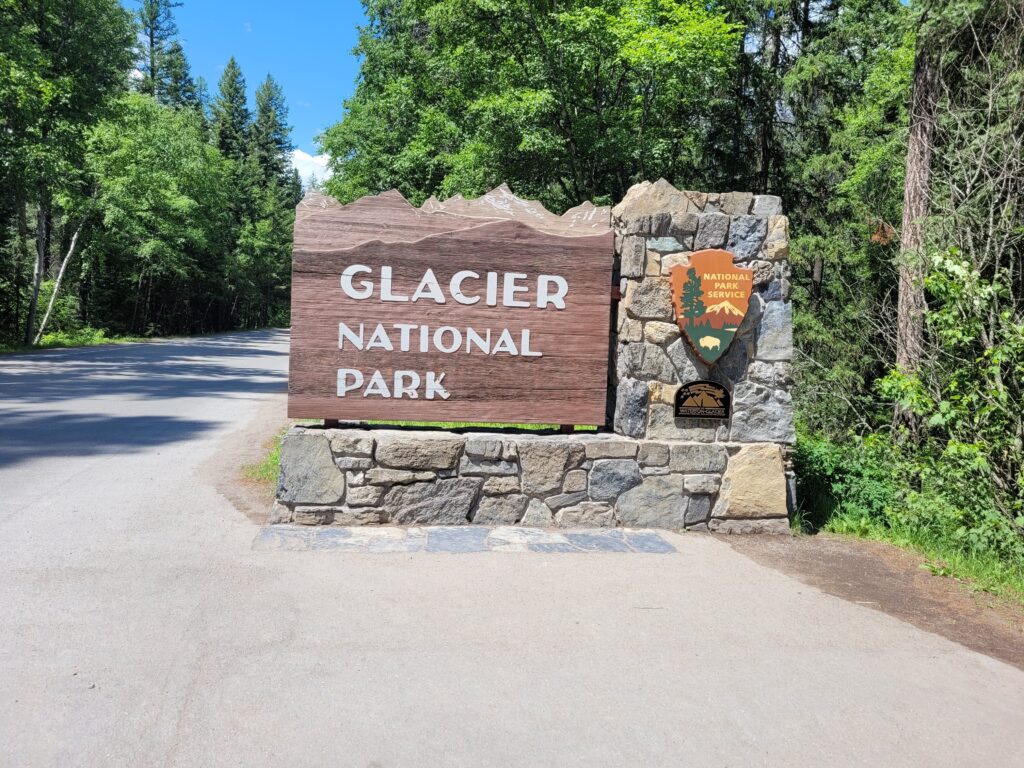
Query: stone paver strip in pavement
458, 540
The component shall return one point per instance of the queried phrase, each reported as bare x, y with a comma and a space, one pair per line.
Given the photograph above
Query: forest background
892, 131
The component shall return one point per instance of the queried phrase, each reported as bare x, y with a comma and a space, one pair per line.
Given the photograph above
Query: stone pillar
656, 228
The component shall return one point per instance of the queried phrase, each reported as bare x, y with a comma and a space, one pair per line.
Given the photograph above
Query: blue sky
306, 45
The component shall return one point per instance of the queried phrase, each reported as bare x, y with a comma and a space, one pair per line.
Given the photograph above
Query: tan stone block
777, 251
632, 330
653, 263
671, 260
754, 484
658, 332
662, 392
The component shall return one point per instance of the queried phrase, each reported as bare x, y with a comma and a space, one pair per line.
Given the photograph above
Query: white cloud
310, 166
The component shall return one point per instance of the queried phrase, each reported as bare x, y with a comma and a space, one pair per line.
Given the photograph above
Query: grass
264, 472
976, 572
84, 337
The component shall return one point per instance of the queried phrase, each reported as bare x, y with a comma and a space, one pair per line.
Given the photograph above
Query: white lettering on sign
550, 290
514, 289
405, 384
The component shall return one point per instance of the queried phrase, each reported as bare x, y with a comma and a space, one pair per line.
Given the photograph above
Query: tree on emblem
691, 303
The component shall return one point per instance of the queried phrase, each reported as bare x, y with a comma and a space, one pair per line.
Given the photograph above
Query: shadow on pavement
32, 435
44, 408
185, 368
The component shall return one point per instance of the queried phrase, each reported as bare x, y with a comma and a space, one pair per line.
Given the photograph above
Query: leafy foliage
184, 227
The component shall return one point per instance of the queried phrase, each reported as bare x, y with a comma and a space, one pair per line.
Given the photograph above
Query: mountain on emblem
710, 295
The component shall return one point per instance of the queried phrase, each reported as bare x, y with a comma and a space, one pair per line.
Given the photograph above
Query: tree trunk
20, 255
60, 279
911, 306
42, 219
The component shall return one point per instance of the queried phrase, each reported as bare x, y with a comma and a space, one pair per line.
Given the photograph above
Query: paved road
140, 627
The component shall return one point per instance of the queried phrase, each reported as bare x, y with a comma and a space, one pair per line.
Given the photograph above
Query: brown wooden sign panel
406, 314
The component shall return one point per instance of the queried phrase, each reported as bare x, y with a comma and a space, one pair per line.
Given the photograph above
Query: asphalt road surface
139, 626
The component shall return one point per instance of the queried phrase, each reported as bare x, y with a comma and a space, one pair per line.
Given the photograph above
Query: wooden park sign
488, 310
711, 296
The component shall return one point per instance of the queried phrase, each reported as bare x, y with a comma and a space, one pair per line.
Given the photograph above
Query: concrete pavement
140, 626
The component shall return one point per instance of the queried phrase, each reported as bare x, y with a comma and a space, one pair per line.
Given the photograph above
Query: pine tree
156, 20
176, 88
231, 113
692, 302
271, 135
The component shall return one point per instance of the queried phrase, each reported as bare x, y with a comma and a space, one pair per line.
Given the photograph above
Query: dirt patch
891, 580
247, 445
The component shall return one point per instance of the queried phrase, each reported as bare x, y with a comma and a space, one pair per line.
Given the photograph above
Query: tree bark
60, 279
911, 304
42, 219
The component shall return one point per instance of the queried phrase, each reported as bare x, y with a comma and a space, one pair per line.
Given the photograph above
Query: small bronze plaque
703, 400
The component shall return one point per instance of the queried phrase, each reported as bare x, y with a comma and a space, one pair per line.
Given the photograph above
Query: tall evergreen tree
156, 19
271, 135
177, 88
231, 113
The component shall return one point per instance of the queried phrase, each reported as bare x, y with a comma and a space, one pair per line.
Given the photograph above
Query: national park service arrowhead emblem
710, 295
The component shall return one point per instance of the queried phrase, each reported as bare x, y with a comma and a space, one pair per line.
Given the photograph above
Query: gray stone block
712, 231
736, 203
645, 471
351, 444
500, 510
380, 476
684, 227
420, 452
589, 514
629, 360
538, 515
611, 448
658, 502
308, 474
312, 516
279, 513
767, 205
495, 486
653, 454
702, 484
761, 415
575, 481
651, 299
610, 477
684, 361
351, 462
775, 332
665, 244
364, 496
471, 466
565, 499
445, 502
698, 511
699, 459
484, 447
630, 407
764, 271
545, 461
746, 233
634, 249
655, 364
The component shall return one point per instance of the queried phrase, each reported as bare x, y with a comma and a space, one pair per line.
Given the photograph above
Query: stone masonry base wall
366, 477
